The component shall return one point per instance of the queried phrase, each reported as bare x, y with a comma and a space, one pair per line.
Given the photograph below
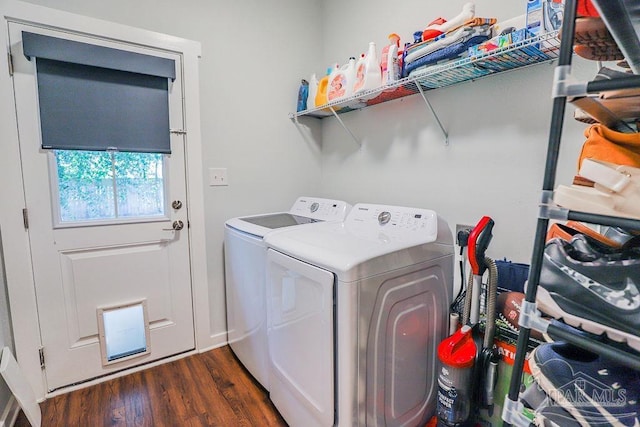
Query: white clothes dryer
356, 311
245, 258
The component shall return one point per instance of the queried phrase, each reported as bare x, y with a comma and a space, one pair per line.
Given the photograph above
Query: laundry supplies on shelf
440, 26
447, 46
313, 91
322, 91
368, 72
389, 61
303, 95
341, 81
442, 54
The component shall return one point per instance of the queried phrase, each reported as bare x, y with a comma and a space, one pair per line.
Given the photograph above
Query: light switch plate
218, 177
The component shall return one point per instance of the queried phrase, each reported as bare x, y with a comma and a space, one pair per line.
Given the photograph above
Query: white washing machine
356, 311
245, 258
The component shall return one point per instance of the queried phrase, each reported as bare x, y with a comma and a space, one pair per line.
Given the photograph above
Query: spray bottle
389, 61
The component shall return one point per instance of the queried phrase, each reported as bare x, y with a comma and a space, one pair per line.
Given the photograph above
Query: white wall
498, 129
253, 56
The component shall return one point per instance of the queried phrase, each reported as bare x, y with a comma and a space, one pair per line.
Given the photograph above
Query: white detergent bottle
368, 71
341, 81
313, 91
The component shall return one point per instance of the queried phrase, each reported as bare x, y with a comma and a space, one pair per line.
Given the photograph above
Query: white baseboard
216, 341
10, 413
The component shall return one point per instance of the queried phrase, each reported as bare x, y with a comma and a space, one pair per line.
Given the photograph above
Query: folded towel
446, 53
460, 36
457, 34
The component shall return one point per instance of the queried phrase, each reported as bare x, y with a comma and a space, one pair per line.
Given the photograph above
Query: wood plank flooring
208, 389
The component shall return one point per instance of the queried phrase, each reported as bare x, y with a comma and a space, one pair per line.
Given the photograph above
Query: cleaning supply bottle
303, 94
368, 72
341, 81
322, 91
313, 90
389, 61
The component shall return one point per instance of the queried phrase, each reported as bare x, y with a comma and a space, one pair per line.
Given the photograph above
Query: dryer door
300, 336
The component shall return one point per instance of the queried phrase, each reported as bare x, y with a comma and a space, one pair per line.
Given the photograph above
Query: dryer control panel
398, 223
320, 209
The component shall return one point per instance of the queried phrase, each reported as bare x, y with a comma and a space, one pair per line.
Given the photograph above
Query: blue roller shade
97, 98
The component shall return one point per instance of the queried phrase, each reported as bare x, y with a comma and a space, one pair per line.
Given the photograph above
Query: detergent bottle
389, 62
313, 90
368, 72
322, 91
341, 81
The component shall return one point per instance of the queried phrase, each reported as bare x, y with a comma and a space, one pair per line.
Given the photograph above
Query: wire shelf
535, 50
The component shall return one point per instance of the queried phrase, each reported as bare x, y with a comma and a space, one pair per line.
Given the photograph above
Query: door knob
177, 226
176, 204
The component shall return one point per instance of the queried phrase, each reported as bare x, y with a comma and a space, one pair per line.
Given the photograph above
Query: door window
108, 186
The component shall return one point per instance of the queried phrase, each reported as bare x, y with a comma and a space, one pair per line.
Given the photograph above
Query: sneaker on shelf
607, 73
596, 292
546, 412
616, 190
573, 228
622, 236
593, 41
594, 390
534, 397
575, 331
555, 416
583, 117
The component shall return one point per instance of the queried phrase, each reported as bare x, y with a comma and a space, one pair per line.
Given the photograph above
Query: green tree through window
98, 185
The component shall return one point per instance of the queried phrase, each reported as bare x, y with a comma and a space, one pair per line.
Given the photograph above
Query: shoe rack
622, 18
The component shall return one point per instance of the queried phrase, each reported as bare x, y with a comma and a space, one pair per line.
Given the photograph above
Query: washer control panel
320, 209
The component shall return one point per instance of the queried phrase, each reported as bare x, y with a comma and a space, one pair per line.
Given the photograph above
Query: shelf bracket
344, 126
446, 135
530, 317
565, 85
549, 210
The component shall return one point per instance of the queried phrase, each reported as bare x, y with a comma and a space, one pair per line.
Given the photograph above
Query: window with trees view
99, 185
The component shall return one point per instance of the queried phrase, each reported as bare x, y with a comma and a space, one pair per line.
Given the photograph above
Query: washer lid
305, 210
372, 239
278, 220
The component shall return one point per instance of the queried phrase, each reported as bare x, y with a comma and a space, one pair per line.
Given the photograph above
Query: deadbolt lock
176, 204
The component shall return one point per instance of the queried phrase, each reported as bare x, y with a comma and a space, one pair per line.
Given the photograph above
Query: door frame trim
14, 237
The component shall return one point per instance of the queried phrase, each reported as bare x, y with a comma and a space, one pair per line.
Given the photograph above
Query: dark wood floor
209, 389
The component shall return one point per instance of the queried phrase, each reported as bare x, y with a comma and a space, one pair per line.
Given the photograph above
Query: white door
107, 245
